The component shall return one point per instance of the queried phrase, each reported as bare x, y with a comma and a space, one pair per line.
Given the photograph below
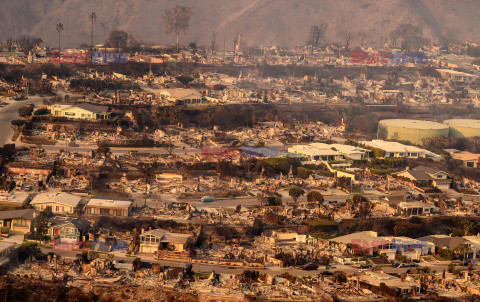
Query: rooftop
467, 123
166, 236
109, 203
57, 197
28, 214
13, 197
392, 146
414, 124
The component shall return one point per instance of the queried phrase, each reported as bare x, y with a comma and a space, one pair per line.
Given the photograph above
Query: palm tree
148, 174
59, 30
93, 18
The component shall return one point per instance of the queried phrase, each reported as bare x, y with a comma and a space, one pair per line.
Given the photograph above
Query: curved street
10, 113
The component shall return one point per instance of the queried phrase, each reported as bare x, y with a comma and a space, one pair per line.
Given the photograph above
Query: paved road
9, 113
462, 61
60, 145
200, 267
226, 203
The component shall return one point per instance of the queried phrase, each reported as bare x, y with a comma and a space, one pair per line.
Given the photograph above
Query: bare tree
411, 36
235, 42
213, 38
317, 34
59, 30
93, 19
448, 37
362, 35
133, 45
394, 37
10, 43
176, 20
148, 175
347, 37
27, 43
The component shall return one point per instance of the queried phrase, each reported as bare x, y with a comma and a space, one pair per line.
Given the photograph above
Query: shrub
41, 111
446, 254
304, 173
25, 111
378, 153
324, 225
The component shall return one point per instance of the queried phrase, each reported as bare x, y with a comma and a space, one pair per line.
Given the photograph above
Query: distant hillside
260, 22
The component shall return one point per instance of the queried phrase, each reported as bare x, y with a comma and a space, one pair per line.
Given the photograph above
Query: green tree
378, 153
18, 123
25, 111
274, 200
315, 196
41, 225
117, 39
446, 254
467, 226
295, 193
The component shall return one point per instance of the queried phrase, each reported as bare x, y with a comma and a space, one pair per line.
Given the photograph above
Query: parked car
207, 199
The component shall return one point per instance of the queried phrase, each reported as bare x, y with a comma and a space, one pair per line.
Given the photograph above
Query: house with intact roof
18, 221
108, 207
427, 176
82, 111
58, 202
469, 160
68, 229
369, 242
416, 208
160, 239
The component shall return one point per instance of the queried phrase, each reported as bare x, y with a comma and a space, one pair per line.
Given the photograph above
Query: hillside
260, 22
